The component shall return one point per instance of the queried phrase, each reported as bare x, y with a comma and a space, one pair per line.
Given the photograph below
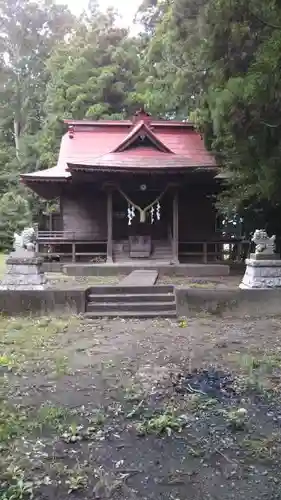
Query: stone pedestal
23, 272
262, 273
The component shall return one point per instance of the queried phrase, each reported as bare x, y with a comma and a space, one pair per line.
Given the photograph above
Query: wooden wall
197, 215
84, 212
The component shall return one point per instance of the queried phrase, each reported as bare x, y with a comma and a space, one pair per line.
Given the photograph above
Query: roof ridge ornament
142, 115
71, 132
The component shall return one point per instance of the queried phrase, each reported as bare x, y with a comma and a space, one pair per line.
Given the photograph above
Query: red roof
134, 145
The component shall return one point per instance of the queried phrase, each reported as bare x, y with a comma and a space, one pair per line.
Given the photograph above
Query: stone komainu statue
263, 243
25, 240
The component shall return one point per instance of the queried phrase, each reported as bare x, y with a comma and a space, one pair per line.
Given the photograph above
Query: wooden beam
109, 251
175, 240
205, 252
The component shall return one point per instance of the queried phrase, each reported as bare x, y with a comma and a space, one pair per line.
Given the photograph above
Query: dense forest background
216, 62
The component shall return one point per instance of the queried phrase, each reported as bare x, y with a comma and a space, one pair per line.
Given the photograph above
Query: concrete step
131, 306
130, 290
162, 250
131, 314
153, 261
160, 254
139, 297
144, 277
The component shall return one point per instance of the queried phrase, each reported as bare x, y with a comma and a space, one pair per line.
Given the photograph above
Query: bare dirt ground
215, 282
58, 280
115, 409
61, 280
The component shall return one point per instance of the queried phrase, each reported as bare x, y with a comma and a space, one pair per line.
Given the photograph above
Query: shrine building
131, 190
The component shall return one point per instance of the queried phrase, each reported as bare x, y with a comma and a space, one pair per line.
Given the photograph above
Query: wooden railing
74, 246
222, 250
70, 246
63, 236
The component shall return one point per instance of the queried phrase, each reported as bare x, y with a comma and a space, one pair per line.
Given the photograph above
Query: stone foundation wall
234, 303
190, 302
42, 302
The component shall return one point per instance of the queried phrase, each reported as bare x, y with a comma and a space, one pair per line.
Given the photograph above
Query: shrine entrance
141, 224
128, 221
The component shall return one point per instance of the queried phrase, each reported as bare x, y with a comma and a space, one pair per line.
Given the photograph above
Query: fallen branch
135, 410
196, 391
225, 457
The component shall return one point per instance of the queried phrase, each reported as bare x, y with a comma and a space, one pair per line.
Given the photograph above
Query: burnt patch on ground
211, 382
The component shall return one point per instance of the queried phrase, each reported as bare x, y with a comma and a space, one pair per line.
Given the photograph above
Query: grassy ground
99, 410
59, 280
215, 282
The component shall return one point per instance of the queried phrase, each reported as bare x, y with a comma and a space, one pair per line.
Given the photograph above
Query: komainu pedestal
264, 266
23, 272
262, 274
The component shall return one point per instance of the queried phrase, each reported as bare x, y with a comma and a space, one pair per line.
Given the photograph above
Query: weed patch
13, 421
164, 423
15, 486
77, 479
237, 419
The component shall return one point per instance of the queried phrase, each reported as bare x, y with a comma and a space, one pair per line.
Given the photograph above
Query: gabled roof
126, 145
49, 174
141, 131
134, 163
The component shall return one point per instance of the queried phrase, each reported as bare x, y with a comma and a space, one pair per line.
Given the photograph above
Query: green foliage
172, 63
159, 424
15, 485
29, 31
237, 418
94, 75
241, 105
14, 216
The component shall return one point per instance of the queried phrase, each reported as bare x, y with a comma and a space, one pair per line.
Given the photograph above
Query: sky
126, 8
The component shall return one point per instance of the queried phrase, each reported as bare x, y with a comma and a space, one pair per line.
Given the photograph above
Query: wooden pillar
73, 252
109, 251
175, 241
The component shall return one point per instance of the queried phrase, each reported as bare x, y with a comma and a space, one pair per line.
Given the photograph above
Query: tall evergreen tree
29, 31
241, 105
93, 75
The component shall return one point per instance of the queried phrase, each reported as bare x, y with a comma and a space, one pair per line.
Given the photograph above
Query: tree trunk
17, 138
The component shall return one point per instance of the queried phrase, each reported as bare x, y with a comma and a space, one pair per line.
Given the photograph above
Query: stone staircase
131, 301
161, 251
